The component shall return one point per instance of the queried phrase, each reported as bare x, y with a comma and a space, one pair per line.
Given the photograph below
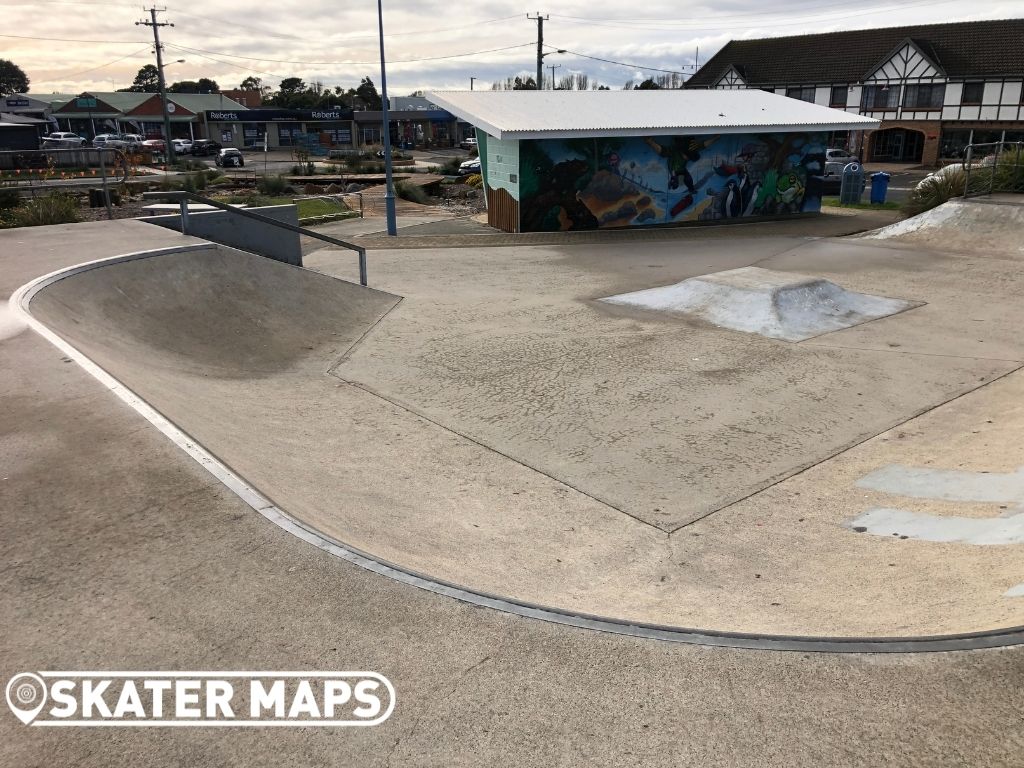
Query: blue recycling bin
879, 186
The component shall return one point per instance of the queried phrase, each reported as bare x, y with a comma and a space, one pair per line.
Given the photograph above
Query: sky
69, 47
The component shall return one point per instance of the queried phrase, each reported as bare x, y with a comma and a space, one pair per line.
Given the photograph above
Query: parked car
469, 143
470, 167
229, 157
133, 140
154, 145
204, 147
109, 141
836, 160
63, 140
182, 146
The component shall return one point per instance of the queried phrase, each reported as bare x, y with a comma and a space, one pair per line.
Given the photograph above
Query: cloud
336, 42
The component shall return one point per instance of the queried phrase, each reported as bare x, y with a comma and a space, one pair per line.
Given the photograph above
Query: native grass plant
935, 190
272, 185
474, 180
1002, 173
411, 192
54, 208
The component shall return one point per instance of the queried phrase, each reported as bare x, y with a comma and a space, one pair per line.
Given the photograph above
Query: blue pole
389, 193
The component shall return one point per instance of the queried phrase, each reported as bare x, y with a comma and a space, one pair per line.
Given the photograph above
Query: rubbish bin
852, 185
879, 186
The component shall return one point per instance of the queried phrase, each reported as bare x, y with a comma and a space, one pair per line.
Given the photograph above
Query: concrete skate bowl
982, 226
235, 350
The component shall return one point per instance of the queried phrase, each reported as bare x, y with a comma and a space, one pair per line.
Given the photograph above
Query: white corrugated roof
565, 114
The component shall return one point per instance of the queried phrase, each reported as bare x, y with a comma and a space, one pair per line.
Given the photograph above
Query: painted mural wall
639, 181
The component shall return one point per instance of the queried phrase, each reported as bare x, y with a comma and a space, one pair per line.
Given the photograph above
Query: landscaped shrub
199, 180
411, 192
475, 180
9, 198
55, 208
272, 185
451, 167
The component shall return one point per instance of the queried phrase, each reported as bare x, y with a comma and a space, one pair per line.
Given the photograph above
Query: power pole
160, 74
553, 67
540, 48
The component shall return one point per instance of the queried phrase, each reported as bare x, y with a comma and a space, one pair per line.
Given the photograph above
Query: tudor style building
930, 85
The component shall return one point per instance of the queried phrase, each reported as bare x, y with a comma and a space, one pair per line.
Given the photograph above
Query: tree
529, 84
12, 78
251, 83
367, 91
146, 81
206, 85
183, 86
647, 85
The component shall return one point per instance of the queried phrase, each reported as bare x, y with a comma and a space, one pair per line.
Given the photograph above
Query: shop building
576, 160
932, 86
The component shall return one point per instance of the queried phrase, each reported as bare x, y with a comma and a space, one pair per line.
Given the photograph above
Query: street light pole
471, 81
389, 189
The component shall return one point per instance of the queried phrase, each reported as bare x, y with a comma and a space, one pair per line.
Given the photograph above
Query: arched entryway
896, 145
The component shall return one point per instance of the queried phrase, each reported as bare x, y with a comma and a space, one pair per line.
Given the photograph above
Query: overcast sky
335, 41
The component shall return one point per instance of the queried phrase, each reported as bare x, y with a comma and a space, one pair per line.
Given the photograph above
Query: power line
187, 49
109, 63
625, 64
71, 40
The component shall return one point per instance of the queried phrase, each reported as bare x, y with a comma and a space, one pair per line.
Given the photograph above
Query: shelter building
570, 160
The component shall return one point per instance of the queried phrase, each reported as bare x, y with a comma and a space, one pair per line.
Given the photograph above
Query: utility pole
553, 67
471, 81
160, 75
540, 48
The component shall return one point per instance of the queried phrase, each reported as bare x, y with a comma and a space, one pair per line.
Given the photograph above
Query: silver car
836, 160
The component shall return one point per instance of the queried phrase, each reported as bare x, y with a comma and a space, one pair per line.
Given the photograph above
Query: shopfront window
288, 135
253, 134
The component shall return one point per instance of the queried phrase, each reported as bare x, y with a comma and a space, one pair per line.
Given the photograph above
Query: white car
469, 143
182, 146
470, 167
63, 140
836, 160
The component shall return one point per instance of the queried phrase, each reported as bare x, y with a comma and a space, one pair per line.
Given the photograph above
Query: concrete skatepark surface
502, 432
121, 553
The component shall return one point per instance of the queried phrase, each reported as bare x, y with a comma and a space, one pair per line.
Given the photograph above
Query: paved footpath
119, 552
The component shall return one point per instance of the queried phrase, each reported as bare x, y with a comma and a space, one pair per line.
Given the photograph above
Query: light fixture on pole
471, 81
389, 189
540, 69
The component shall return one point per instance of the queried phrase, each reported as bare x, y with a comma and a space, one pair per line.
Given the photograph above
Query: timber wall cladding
502, 210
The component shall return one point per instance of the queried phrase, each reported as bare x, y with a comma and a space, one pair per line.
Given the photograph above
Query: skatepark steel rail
183, 198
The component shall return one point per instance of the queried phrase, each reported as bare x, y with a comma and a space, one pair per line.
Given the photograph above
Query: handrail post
362, 267
183, 203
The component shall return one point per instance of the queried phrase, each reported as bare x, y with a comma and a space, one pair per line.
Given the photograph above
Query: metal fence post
183, 203
362, 266
106, 191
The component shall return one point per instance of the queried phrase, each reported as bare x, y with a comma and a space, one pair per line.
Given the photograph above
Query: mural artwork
632, 181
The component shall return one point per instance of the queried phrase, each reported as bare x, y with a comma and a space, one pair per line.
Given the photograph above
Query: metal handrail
182, 197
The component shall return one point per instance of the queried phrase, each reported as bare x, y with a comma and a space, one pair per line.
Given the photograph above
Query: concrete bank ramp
212, 311
780, 305
235, 350
979, 226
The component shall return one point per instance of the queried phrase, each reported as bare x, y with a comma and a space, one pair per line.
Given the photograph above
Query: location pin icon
26, 695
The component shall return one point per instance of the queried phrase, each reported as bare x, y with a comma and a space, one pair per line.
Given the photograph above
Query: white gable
907, 63
731, 79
